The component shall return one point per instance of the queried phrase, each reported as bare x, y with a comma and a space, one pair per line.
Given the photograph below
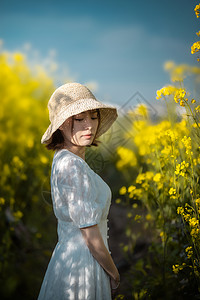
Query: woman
81, 266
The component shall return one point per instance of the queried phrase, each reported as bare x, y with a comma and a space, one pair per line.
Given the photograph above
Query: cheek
77, 127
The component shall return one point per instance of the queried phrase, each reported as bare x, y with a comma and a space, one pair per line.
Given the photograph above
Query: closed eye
81, 119
78, 120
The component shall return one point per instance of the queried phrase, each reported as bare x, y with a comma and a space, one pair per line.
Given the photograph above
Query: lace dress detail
80, 199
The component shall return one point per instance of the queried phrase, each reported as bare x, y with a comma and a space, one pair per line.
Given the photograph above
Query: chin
85, 144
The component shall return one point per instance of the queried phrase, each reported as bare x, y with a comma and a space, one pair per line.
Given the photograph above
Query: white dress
80, 199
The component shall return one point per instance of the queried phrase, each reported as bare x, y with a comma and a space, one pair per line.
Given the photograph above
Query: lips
88, 135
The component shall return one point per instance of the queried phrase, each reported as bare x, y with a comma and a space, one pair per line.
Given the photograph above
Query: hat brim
108, 114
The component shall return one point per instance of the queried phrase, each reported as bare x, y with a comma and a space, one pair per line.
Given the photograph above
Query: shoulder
65, 160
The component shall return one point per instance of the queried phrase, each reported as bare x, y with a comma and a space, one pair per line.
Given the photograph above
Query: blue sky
119, 45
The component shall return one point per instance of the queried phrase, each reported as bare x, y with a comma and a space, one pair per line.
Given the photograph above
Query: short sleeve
77, 190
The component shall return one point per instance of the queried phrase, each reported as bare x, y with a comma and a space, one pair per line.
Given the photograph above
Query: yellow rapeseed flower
29, 142
163, 236
172, 192
181, 168
179, 96
157, 177
142, 110
137, 218
195, 47
195, 232
44, 159
169, 65
166, 91
189, 251
118, 200
18, 57
149, 175
148, 217
180, 210
122, 190
141, 177
18, 214
197, 10
2, 201
131, 188
145, 186
129, 215
188, 145
127, 158
137, 193
197, 108
197, 201
193, 222
176, 268
195, 125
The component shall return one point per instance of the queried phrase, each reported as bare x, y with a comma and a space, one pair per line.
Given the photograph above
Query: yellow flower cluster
166, 91
161, 138
197, 201
195, 47
172, 193
141, 110
144, 176
188, 144
188, 215
189, 251
177, 93
179, 72
122, 190
143, 179
127, 158
181, 168
197, 10
180, 96
135, 193
132, 191
18, 215
137, 218
2, 201
163, 236
197, 108
176, 268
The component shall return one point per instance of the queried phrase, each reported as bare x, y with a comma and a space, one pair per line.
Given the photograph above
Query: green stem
192, 113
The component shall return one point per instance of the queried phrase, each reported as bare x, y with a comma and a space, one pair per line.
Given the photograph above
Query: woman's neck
78, 150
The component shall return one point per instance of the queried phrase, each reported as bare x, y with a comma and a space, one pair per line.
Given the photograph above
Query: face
80, 129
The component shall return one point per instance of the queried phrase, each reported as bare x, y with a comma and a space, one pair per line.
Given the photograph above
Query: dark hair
56, 142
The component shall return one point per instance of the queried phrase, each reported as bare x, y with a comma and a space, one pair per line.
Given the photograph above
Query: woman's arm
98, 249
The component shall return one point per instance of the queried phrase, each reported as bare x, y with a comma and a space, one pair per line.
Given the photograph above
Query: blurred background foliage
25, 212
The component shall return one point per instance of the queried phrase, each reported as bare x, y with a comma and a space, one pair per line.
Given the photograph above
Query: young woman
81, 267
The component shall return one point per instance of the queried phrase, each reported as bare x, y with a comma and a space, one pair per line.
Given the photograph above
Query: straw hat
71, 99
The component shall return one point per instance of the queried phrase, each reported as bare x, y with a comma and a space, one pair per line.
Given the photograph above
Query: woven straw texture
71, 99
